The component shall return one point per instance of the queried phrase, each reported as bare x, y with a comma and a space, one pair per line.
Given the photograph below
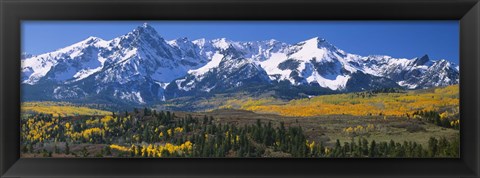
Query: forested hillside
393, 123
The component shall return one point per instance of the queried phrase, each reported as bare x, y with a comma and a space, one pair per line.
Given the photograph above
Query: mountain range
143, 68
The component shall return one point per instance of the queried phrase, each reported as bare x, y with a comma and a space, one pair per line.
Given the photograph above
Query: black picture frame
14, 11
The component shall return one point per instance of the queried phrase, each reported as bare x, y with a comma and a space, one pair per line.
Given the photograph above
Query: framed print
207, 88
141, 95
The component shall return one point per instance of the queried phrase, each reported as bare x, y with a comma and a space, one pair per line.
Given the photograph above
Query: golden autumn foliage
455, 123
39, 131
87, 133
62, 109
247, 103
103, 121
359, 129
119, 148
327, 150
43, 128
107, 119
154, 150
178, 130
310, 145
391, 104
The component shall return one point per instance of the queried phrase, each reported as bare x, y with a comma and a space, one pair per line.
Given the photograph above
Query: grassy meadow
357, 104
62, 109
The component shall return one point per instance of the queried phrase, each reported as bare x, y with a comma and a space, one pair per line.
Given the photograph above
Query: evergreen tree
373, 149
107, 150
433, 146
67, 148
55, 149
85, 152
24, 149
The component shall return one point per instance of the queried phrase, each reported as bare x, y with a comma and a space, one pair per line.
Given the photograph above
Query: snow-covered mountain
143, 68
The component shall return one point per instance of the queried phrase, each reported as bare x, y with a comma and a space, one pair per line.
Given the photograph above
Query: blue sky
438, 39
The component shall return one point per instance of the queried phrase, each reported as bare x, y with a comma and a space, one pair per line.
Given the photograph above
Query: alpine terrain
143, 68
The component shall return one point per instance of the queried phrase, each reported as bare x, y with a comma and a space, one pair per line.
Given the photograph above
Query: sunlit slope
60, 109
360, 104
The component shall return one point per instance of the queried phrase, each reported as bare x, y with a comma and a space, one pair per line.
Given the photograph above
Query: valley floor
324, 130
426, 124
328, 129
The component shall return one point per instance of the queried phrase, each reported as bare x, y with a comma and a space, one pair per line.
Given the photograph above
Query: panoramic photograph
240, 89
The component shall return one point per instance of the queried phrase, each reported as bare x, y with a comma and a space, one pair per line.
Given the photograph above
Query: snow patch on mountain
131, 96
271, 66
309, 49
221, 43
334, 82
215, 62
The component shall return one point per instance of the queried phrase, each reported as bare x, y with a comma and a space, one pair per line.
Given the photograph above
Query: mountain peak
183, 40
180, 42
272, 41
91, 39
442, 62
422, 60
82, 44
25, 55
425, 56
220, 39
221, 43
145, 29
145, 26
316, 39
318, 42
200, 41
